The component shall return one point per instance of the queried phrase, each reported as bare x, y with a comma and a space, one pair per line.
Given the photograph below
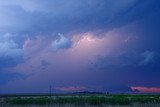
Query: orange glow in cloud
146, 89
89, 44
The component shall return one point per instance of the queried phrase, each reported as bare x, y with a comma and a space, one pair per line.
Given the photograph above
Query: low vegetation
83, 99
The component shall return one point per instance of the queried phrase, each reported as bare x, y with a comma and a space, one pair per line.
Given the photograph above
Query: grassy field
81, 99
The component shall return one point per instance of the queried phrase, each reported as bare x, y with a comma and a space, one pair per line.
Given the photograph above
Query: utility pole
50, 90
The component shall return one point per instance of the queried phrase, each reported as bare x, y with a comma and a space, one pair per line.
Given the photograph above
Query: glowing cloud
146, 89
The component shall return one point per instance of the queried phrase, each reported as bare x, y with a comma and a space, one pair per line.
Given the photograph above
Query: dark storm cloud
126, 59
33, 26
8, 76
140, 69
68, 16
10, 52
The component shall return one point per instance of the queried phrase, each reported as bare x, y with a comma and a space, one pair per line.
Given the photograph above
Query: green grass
84, 99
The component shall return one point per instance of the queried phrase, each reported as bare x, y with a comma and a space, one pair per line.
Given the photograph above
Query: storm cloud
71, 44
71, 16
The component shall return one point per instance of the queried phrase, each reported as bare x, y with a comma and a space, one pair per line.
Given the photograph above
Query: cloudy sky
79, 45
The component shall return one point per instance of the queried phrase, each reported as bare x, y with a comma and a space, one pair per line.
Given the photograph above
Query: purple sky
79, 45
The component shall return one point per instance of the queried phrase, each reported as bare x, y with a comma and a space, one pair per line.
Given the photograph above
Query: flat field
93, 99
